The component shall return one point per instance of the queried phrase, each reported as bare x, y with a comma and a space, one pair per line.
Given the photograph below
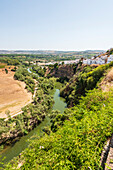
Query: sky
72, 25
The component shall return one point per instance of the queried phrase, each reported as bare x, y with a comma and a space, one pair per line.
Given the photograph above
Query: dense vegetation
75, 139
23, 75
82, 81
2, 65
9, 60
79, 142
57, 56
39, 70
33, 113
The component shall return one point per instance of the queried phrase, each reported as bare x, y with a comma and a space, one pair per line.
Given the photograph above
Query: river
13, 151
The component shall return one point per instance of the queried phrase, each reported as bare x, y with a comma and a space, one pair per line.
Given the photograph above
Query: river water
13, 151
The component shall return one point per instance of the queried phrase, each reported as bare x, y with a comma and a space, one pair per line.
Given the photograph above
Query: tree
6, 71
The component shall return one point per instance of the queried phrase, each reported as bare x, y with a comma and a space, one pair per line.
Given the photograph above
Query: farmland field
13, 95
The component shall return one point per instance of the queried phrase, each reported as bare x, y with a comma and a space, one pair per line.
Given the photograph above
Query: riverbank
14, 150
32, 115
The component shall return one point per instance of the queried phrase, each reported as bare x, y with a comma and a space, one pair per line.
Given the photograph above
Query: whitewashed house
100, 61
92, 58
84, 61
87, 61
97, 60
93, 61
104, 57
110, 58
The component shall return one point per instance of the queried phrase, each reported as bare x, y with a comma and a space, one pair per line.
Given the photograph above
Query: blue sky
56, 24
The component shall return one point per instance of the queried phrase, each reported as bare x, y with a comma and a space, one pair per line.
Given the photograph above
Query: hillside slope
80, 135
77, 137
80, 83
107, 82
64, 72
78, 143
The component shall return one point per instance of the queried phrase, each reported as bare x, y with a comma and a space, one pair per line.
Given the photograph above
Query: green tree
6, 71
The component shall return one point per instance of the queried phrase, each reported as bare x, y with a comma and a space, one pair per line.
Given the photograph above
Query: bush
82, 82
79, 142
6, 71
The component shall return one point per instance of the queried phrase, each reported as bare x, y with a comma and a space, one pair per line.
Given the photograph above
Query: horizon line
71, 50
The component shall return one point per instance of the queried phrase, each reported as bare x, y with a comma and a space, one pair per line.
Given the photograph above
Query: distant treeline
48, 57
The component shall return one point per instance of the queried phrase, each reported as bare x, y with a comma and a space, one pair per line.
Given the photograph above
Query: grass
2, 66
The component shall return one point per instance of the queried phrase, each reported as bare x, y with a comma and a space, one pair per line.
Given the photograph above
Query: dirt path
13, 95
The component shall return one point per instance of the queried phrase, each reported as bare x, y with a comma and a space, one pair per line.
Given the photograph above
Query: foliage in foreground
78, 143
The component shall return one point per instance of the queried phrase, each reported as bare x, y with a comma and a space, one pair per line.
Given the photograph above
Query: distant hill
49, 52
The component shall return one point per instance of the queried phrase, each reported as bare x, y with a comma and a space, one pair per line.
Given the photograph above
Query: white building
100, 61
93, 61
84, 61
87, 61
110, 58
104, 57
